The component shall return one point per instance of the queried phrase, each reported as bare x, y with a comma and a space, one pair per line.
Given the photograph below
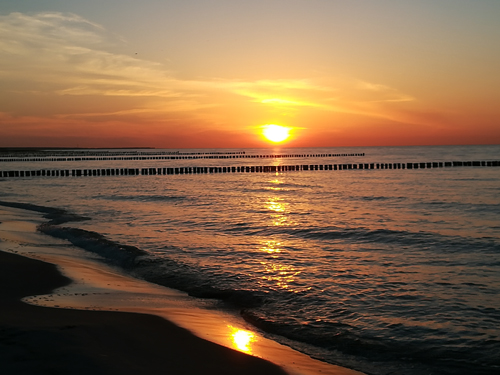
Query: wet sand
39, 340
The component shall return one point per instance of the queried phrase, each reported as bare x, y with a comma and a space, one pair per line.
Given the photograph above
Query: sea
386, 271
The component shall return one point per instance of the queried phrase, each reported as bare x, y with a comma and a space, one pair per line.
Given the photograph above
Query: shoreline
102, 289
42, 339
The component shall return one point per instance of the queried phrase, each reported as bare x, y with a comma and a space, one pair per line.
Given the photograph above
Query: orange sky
178, 75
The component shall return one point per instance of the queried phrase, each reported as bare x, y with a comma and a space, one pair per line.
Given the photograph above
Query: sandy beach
39, 340
63, 328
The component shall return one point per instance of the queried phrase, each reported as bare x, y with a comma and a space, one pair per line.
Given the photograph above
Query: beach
81, 338
39, 340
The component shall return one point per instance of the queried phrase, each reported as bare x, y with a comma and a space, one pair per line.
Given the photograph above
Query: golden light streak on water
242, 339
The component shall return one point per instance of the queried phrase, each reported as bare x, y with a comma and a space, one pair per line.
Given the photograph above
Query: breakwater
162, 156
240, 169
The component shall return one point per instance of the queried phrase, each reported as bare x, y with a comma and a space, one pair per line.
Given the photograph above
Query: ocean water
384, 271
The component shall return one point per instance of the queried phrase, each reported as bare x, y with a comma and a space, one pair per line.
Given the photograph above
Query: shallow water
378, 270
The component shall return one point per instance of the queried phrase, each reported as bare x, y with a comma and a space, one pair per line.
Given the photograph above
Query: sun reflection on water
271, 247
242, 339
276, 185
281, 275
279, 209
272, 270
275, 204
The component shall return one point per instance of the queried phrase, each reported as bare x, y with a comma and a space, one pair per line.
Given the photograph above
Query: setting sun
275, 133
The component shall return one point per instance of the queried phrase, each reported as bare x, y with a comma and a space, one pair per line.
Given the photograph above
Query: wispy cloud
386, 93
66, 54
63, 54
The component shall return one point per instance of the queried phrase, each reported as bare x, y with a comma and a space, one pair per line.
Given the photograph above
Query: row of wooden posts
23, 153
240, 169
177, 157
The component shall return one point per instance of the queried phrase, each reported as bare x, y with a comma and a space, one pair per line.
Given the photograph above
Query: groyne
240, 169
164, 156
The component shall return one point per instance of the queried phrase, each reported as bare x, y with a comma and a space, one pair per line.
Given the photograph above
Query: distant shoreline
22, 149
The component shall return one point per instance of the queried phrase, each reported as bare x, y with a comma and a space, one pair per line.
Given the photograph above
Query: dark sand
42, 340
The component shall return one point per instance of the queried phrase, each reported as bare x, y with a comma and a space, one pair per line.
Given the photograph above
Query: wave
55, 216
418, 240
171, 273
124, 256
479, 208
386, 356
142, 264
381, 198
142, 198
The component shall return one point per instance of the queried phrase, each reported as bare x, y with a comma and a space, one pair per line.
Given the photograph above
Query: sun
276, 133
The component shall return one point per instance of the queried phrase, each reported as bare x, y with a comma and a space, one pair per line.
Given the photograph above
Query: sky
205, 74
